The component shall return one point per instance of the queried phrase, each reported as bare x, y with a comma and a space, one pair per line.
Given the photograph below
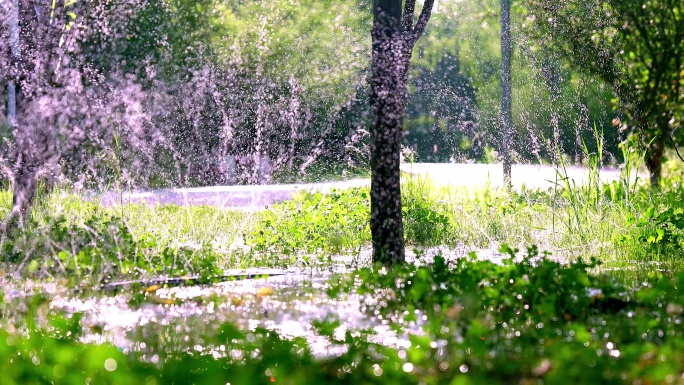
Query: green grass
622, 224
611, 311
323, 171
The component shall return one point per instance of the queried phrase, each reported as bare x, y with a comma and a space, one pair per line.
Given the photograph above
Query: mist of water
137, 95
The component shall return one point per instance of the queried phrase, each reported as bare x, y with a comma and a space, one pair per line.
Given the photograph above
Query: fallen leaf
153, 288
264, 291
454, 311
236, 301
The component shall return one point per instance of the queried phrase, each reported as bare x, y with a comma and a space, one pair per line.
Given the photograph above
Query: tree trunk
506, 92
387, 106
654, 159
394, 36
24, 194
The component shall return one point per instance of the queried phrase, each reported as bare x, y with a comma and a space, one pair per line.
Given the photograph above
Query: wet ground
289, 302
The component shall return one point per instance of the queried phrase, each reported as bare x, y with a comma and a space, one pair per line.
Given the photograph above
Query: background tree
440, 115
165, 92
255, 81
633, 45
506, 91
554, 111
66, 103
393, 37
41, 31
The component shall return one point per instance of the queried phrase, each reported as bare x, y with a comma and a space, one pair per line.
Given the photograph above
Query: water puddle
152, 320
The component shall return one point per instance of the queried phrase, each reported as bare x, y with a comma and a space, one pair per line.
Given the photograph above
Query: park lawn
606, 307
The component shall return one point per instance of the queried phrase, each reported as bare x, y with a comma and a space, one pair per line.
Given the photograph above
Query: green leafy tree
633, 45
68, 102
297, 89
235, 78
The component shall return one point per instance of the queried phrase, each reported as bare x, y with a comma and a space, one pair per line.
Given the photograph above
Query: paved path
257, 196
250, 197
481, 175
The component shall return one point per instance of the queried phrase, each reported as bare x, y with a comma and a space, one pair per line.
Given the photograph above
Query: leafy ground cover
607, 307
463, 322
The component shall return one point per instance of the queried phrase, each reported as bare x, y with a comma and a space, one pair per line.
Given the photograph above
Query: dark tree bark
506, 135
654, 157
394, 36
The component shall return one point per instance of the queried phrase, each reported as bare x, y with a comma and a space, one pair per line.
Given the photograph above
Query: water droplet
110, 364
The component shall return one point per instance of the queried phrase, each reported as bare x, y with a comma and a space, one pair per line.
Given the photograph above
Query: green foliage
480, 322
662, 230
529, 319
40, 359
523, 319
543, 288
324, 171
69, 236
633, 46
101, 248
320, 223
426, 219
441, 119
338, 222
282, 48
554, 105
290, 38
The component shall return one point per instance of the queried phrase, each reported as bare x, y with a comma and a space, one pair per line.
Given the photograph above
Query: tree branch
647, 39
423, 19
674, 144
407, 20
678, 77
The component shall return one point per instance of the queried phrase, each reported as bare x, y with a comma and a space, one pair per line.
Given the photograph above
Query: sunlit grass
171, 224
595, 220
570, 221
